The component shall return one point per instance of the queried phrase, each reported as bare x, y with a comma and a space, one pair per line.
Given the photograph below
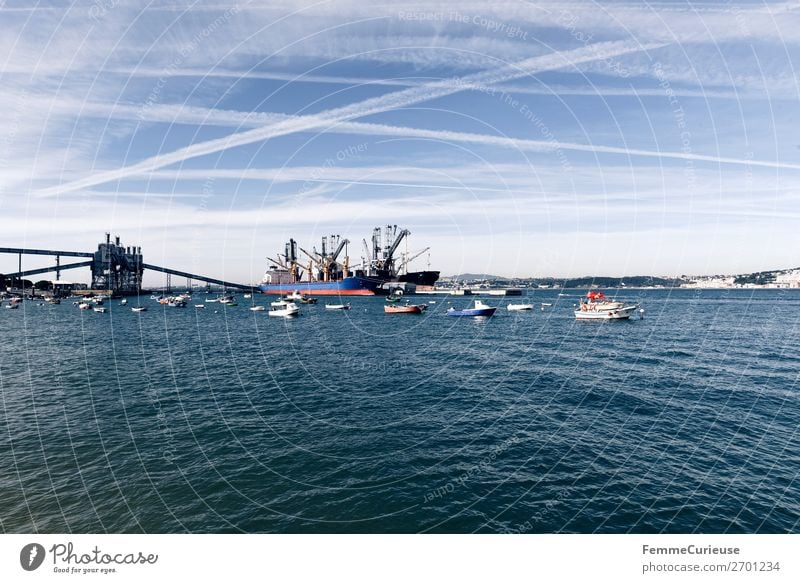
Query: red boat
406, 309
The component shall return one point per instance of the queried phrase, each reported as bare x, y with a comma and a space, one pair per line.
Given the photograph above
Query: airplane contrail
371, 106
200, 116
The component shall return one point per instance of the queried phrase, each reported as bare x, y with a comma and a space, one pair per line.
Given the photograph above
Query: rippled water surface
226, 420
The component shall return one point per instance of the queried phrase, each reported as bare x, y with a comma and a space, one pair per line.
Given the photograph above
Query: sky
514, 138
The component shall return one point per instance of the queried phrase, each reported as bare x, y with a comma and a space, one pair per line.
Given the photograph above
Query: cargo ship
323, 273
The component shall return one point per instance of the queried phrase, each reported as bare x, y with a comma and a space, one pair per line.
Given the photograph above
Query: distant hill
471, 276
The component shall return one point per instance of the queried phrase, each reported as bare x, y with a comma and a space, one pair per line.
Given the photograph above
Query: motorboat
337, 306
85, 306
139, 309
598, 307
247, 296
479, 309
281, 303
123, 302
257, 309
519, 307
405, 309
290, 309
52, 301
296, 296
100, 309
200, 306
11, 306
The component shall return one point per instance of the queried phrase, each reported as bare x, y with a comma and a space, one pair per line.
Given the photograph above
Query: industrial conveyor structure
115, 268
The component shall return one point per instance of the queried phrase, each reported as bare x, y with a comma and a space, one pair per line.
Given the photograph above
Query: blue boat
480, 309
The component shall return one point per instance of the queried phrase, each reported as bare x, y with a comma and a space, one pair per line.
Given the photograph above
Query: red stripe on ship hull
321, 292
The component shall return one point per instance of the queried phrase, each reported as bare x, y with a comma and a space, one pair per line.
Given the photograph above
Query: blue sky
517, 138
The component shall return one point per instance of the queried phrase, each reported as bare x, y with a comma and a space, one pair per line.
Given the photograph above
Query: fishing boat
405, 309
479, 309
597, 307
289, 310
257, 309
139, 309
519, 307
337, 306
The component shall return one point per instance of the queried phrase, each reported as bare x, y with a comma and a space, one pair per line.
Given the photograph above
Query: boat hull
350, 286
610, 314
402, 309
424, 278
472, 313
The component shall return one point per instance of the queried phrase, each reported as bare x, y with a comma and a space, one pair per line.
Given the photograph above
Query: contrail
374, 105
200, 115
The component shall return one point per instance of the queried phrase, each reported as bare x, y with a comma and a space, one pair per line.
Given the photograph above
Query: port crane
406, 260
327, 263
385, 265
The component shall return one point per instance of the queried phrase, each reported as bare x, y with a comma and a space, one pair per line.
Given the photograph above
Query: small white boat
124, 302
257, 309
597, 307
100, 310
247, 296
11, 306
337, 306
519, 307
282, 303
200, 306
546, 305
85, 306
139, 309
287, 311
211, 300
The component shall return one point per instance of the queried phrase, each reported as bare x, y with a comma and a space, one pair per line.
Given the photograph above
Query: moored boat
337, 306
290, 309
257, 309
395, 296
405, 309
138, 309
479, 309
519, 307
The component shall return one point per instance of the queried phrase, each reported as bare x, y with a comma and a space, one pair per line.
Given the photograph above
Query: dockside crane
406, 260
386, 264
